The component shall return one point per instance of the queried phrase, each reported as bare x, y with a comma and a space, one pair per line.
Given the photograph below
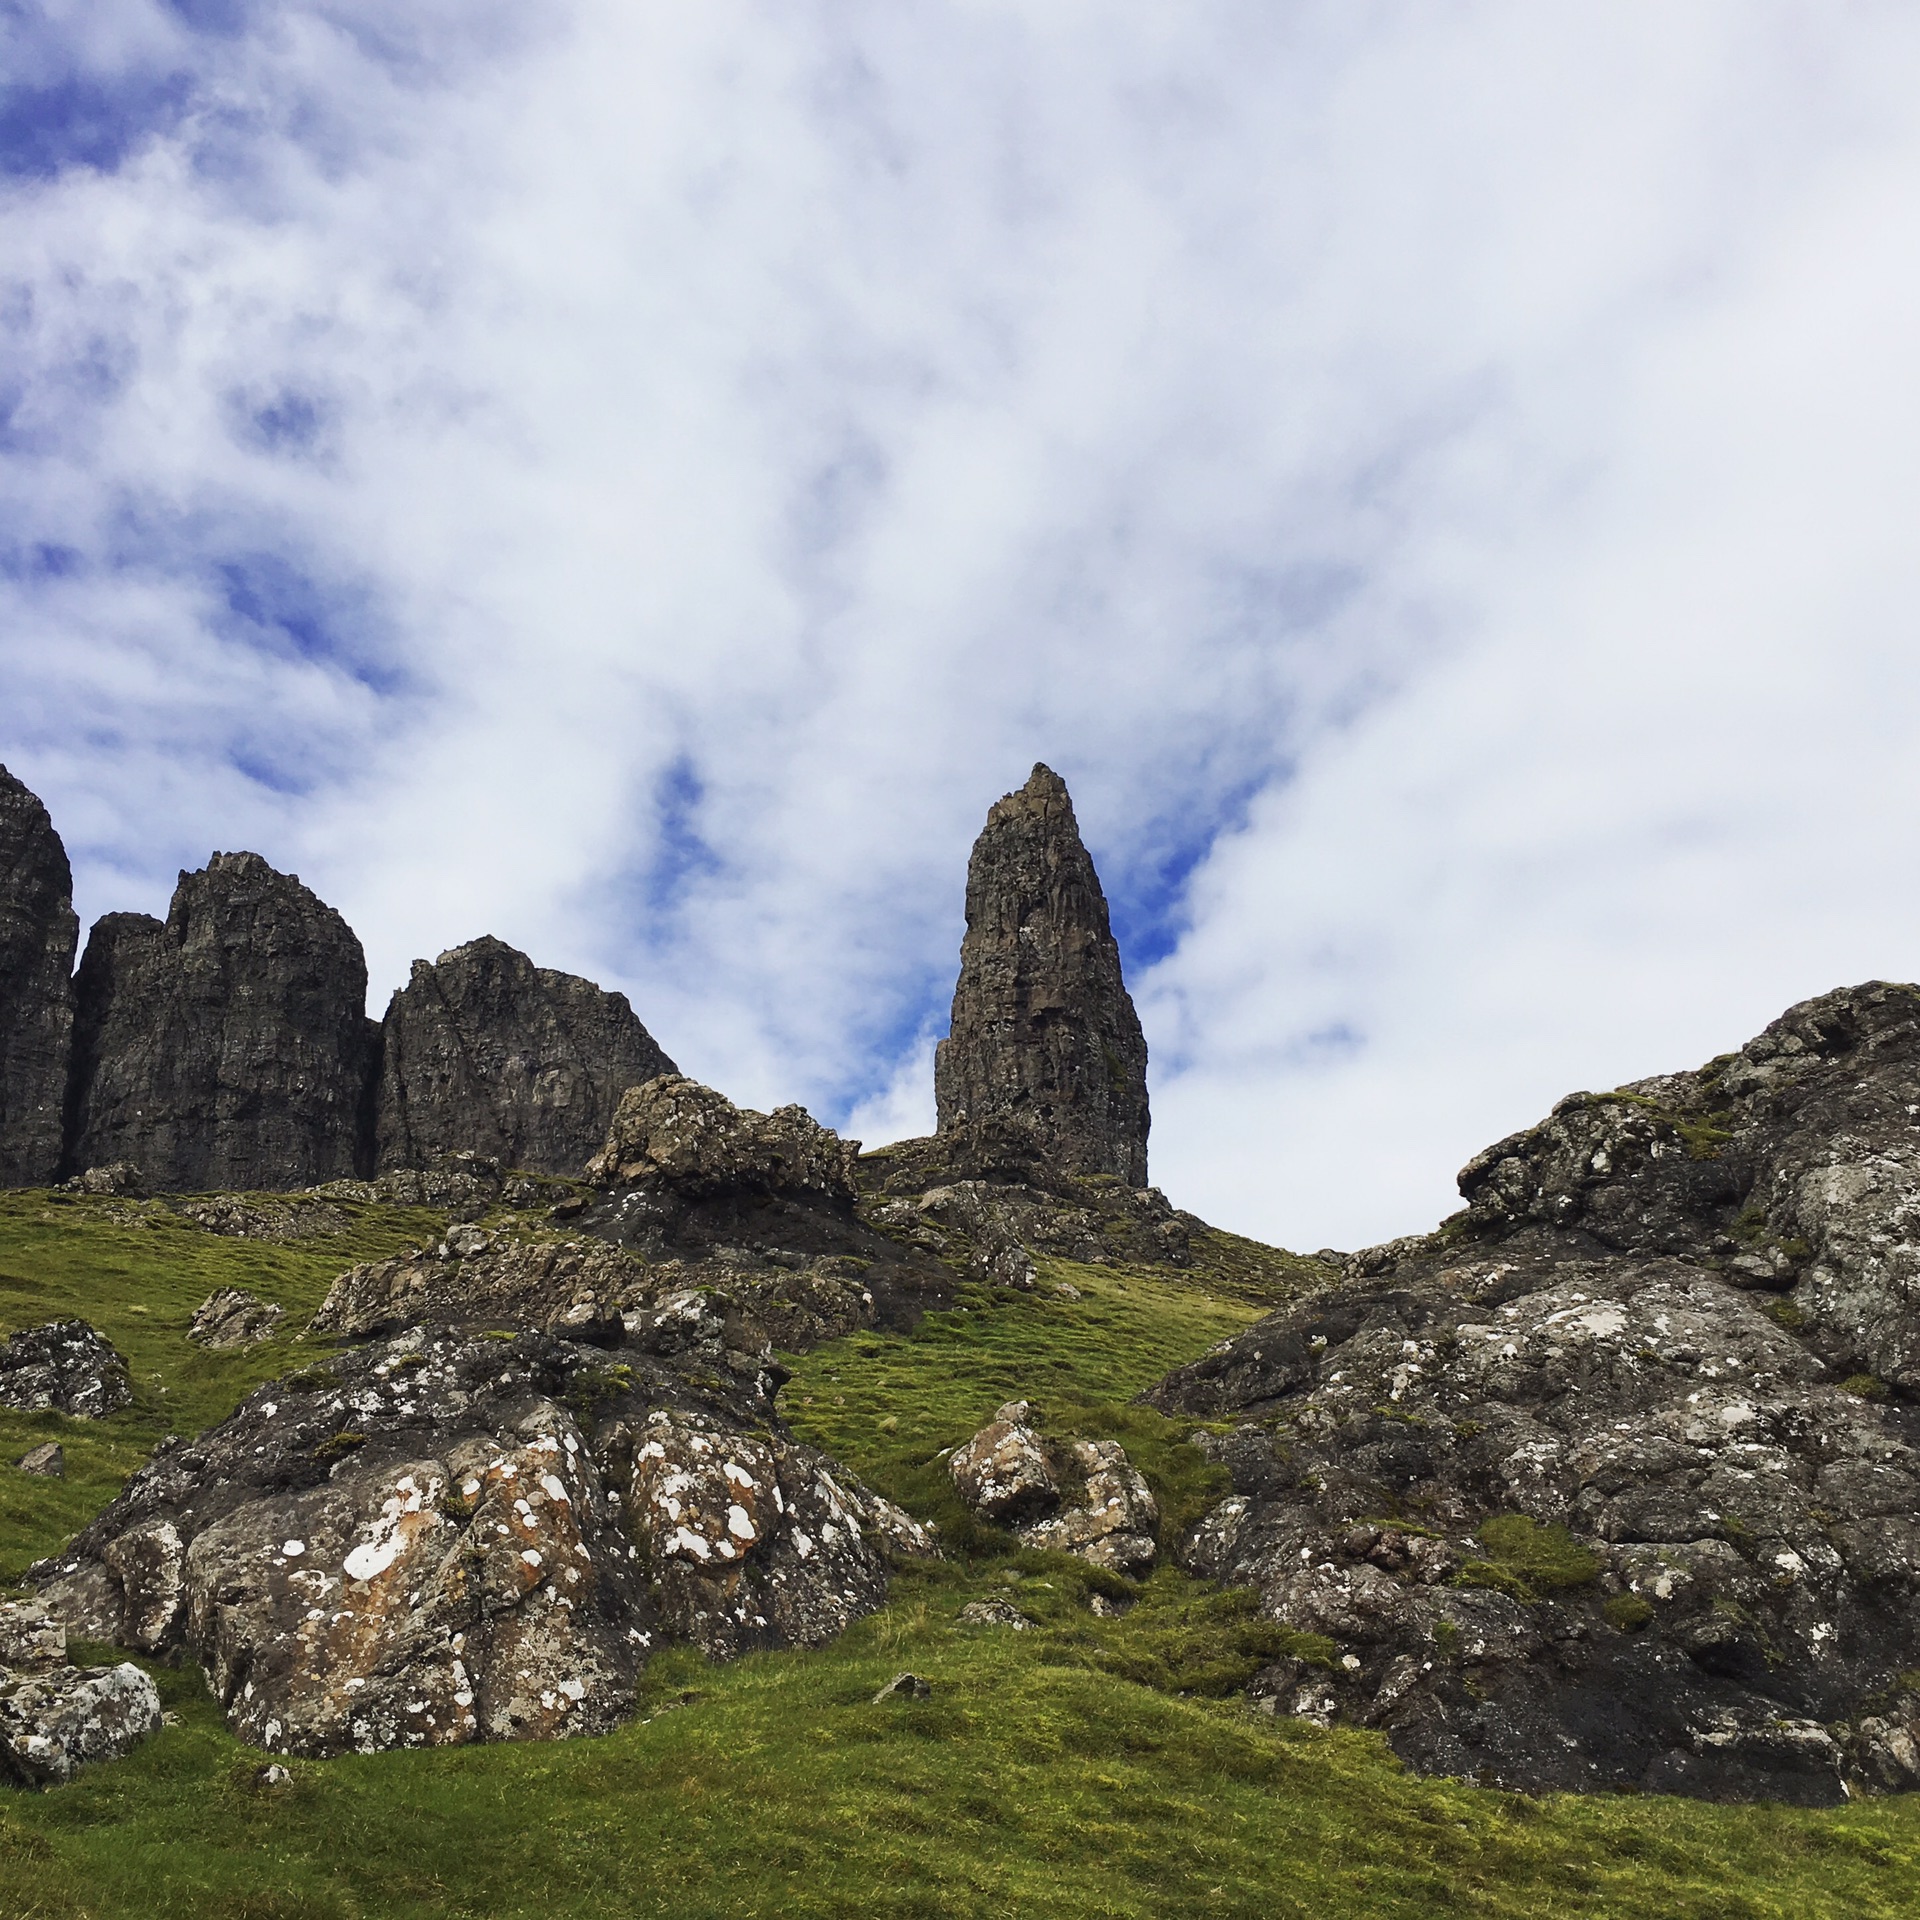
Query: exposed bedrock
1613, 1481
449, 1537
228, 1046
487, 1052
1045, 1055
38, 933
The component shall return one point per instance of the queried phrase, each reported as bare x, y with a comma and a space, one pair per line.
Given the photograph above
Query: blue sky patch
82, 121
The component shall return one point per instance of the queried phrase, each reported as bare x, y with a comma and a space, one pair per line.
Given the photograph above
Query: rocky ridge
1613, 1481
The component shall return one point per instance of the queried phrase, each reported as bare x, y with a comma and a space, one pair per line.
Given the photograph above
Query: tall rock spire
228, 1046
37, 936
1044, 1040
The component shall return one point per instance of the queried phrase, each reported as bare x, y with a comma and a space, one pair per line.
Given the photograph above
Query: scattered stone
227, 1048
66, 1366
56, 1717
232, 1317
1083, 1497
904, 1686
121, 1180
48, 1459
238, 1219
444, 1537
38, 933
1660, 1535
1045, 1045
993, 1613
484, 1050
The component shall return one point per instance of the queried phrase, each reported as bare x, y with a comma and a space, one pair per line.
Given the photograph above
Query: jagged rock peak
38, 934
1044, 1037
228, 1046
485, 1051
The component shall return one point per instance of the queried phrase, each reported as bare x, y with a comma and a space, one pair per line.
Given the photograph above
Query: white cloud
712, 452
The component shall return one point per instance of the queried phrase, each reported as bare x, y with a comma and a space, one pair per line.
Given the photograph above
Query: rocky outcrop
228, 1047
1082, 1497
65, 1366
55, 1717
38, 933
1045, 1055
484, 1051
233, 1317
1613, 1481
446, 1538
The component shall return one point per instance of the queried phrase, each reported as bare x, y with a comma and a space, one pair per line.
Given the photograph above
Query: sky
1438, 479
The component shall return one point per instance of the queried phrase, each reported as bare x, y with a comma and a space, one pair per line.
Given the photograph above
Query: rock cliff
38, 933
1045, 1049
485, 1051
228, 1046
1613, 1480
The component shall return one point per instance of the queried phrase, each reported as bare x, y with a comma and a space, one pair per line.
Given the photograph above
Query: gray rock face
228, 1047
484, 1051
1082, 1497
55, 1717
445, 1538
38, 933
1045, 1055
1604, 1484
66, 1367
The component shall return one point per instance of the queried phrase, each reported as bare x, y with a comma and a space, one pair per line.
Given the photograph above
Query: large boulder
445, 1538
700, 1144
228, 1047
38, 933
485, 1051
65, 1366
1045, 1046
55, 1717
1614, 1481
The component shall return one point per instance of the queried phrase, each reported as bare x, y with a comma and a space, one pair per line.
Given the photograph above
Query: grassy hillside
1089, 1766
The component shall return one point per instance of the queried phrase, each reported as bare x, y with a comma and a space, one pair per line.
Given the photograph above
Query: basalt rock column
228, 1046
38, 932
484, 1050
1045, 1043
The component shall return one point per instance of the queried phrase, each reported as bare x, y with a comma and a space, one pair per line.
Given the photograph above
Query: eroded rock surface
66, 1366
38, 933
1604, 1485
227, 1047
1044, 1040
55, 1717
487, 1052
448, 1537
1081, 1497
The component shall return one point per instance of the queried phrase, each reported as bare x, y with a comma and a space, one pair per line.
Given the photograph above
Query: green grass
1087, 1767
138, 1272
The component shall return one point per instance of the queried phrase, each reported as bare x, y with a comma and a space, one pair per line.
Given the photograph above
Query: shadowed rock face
227, 1047
1613, 1480
1045, 1043
38, 933
486, 1051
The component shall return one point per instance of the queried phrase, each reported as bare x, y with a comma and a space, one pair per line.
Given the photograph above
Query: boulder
1612, 1481
700, 1144
1044, 1046
485, 1051
232, 1317
228, 1047
1082, 1497
38, 933
49, 1460
56, 1717
66, 1366
444, 1538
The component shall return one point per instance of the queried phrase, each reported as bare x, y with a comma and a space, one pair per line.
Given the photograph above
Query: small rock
904, 1686
49, 1459
273, 1776
120, 1180
232, 1317
464, 1242
67, 1366
1066, 1290
994, 1613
